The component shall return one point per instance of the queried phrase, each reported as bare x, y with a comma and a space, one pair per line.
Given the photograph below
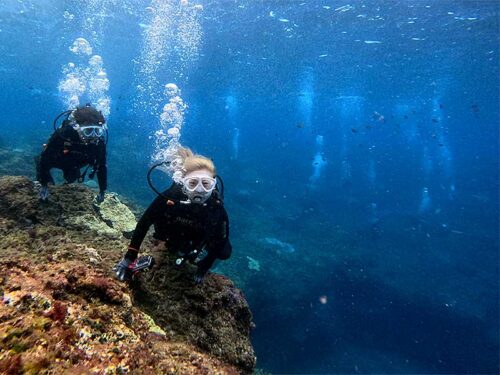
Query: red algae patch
67, 317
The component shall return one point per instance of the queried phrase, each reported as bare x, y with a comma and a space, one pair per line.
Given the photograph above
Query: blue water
359, 138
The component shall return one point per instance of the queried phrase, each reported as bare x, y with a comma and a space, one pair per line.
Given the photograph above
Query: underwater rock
66, 316
281, 246
69, 206
16, 162
117, 215
253, 264
61, 311
214, 316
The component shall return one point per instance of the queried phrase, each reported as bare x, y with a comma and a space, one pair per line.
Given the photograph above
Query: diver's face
198, 185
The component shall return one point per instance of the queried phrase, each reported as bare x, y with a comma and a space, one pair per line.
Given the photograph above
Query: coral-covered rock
117, 215
68, 206
62, 312
91, 327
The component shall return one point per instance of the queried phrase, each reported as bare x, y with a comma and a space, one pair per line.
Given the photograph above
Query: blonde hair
192, 162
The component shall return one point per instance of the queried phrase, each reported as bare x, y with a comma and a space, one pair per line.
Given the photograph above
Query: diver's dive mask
198, 186
90, 131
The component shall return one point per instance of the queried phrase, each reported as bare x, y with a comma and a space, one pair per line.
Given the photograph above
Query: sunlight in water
171, 37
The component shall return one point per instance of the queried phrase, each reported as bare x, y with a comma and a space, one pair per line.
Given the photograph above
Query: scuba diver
77, 143
189, 220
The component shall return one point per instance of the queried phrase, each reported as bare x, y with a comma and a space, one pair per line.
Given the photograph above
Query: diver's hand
199, 276
44, 193
100, 197
123, 270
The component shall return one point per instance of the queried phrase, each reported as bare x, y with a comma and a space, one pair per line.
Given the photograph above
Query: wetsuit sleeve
102, 169
219, 246
43, 166
154, 212
53, 150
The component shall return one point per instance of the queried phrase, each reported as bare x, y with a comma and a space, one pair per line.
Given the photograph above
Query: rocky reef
61, 311
16, 162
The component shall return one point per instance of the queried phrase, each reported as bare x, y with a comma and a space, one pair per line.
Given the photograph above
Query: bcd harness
94, 164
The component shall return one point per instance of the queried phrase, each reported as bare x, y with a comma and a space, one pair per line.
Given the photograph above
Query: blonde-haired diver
189, 219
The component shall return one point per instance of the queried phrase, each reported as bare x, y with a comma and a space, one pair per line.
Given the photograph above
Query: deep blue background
406, 291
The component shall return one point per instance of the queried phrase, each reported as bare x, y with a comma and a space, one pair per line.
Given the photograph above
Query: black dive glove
123, 270
100, 197
199, 276
44, 193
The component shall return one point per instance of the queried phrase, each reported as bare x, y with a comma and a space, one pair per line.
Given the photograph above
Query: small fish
373, 42
483, 198
441, 106
475, 108
283, 20
300, 125
344, 8
435, 120
406, 117
378, 117
354, 130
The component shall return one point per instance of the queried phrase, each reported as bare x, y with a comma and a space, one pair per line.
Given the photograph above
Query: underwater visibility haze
357, 141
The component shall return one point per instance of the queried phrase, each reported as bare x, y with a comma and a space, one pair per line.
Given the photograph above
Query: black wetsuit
65, 150
185, 227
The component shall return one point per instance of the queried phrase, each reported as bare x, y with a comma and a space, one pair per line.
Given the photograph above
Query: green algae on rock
69, 206
117, 215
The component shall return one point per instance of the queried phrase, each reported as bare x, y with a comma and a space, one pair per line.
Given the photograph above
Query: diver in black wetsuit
79, 142
189, 217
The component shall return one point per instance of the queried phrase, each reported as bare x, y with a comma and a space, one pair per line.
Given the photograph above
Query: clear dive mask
89, 130
192, 184
92, 131
198, 188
